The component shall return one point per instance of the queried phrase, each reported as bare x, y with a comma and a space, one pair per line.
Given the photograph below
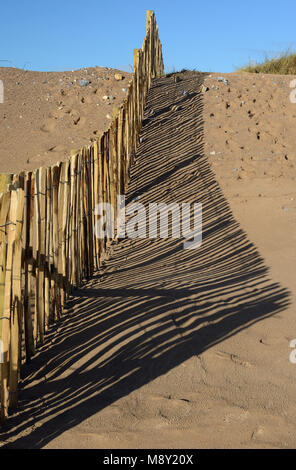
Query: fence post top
136, 57
149, 14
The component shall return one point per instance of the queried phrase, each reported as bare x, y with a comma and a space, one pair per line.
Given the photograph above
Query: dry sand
173, 348
46, 114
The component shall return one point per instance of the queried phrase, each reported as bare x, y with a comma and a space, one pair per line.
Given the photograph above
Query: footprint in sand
169, 407
76, 121
258, 433
233, 358
273, 340
160, 407
48, 126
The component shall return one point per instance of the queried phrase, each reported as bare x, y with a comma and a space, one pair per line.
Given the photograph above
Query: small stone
118, 76
84, 82
222, 79
204, 89
213, 152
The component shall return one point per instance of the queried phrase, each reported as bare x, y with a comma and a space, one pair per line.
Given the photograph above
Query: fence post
16, 217
5, 318
28, 266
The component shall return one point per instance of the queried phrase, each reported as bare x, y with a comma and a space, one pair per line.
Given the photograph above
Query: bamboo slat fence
47, 218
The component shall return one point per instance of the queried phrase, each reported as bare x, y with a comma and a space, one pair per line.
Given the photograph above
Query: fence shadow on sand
156, 304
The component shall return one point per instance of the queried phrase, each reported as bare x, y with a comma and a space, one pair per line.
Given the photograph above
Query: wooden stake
28, 261
5, 319
17, 304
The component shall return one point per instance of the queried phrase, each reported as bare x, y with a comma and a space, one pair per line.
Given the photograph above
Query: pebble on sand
84, 82
204, 88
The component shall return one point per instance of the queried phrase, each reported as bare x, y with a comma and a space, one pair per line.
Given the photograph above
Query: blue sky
205, 35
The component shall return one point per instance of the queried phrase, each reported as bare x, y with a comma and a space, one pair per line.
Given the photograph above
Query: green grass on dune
284, 65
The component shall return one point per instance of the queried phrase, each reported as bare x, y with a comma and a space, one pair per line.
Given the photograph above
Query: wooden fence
47, 218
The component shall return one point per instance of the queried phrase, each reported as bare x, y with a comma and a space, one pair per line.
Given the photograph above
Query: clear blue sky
206, 35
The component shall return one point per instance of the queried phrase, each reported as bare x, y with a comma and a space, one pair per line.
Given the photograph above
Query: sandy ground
250, 125
46, 114
174, 348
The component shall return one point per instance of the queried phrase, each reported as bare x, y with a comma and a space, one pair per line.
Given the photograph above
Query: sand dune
46, 114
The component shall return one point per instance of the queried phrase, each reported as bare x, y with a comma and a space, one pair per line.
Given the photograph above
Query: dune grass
284, 65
